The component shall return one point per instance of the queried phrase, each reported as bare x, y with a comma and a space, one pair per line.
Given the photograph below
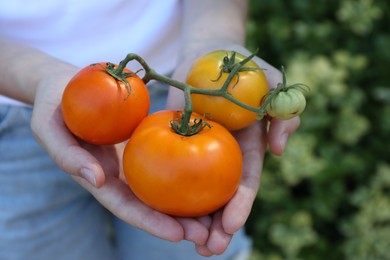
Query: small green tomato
287, 104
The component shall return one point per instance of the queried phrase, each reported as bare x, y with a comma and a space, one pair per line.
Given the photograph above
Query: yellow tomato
247, 86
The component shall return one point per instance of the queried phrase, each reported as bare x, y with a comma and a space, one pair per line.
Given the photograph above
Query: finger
107, 156
237, 211
203, 250
52, 134
118, 198
279, 132
194, 230
253, 145
205, 220
218, 240
273, 75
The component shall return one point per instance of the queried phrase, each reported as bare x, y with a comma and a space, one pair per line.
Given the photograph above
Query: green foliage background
327, 197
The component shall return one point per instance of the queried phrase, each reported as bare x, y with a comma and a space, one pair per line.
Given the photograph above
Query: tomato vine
182, 125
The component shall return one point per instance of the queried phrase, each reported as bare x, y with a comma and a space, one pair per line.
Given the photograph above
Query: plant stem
185, 120
151, 74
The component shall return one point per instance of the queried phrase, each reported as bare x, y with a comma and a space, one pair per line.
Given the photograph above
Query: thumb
51, 133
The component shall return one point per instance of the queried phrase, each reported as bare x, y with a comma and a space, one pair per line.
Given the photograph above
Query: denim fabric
44, 214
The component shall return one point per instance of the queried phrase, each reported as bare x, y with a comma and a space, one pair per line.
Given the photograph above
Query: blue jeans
45, 214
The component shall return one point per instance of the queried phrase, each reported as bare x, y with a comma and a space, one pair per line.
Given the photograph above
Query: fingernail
88, 175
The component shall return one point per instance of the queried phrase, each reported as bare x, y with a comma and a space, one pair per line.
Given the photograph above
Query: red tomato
249, 88
184, 176
101, 110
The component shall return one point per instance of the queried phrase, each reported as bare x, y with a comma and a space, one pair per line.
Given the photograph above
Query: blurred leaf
382, 93
359, 15
298, 161
333, 168
369, 230
256, 255
350, 127
271, 188
293, 235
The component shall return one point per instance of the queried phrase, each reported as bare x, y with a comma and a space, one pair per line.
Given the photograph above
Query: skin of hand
100, 165
253, 141
40, 82
97, 168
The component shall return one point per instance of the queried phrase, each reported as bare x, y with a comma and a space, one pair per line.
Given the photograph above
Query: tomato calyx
118, 73
182, 125
234, 68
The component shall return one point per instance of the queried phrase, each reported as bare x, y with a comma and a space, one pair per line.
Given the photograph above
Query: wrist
53, 81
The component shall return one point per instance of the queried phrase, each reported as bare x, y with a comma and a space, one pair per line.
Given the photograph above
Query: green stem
185, 120
233, 72
132, 56
184, 126
284, 82
192, 90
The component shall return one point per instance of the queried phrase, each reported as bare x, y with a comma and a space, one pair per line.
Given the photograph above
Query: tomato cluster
181, 174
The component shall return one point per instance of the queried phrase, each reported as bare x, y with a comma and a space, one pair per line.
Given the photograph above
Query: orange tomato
101, 110
184, 176
250, 87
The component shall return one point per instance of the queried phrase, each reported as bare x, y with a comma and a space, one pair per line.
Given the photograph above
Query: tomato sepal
182, 126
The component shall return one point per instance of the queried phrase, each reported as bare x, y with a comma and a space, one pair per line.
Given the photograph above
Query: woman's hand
97, 168
253, 141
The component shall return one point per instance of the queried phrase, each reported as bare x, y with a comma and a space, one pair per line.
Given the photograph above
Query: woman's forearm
23, 68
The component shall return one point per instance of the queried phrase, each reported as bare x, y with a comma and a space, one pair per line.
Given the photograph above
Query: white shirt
83, 32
